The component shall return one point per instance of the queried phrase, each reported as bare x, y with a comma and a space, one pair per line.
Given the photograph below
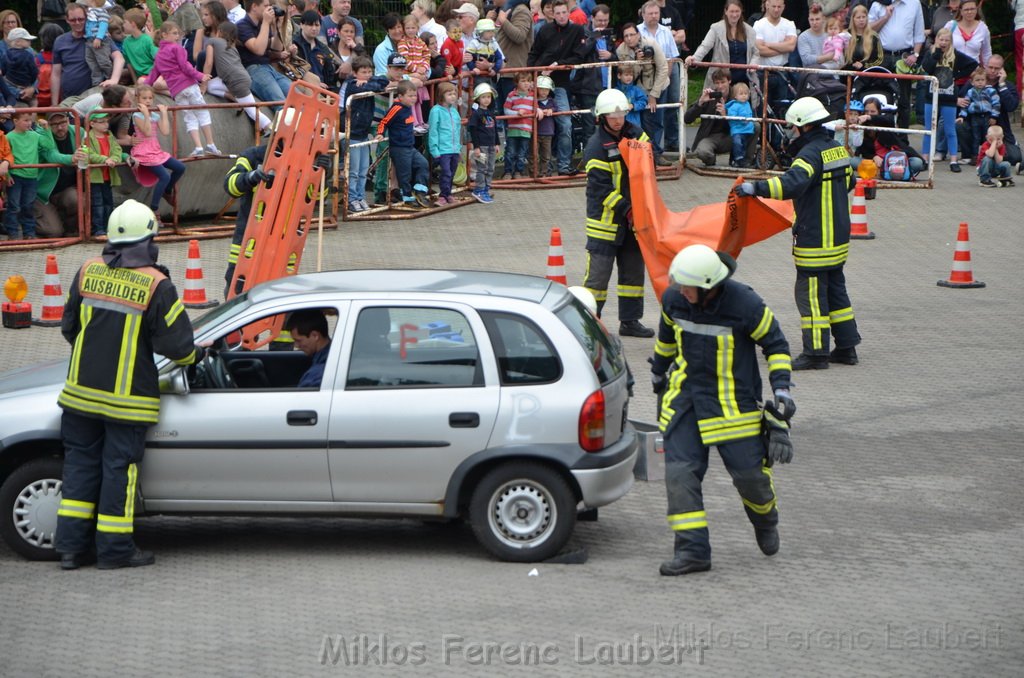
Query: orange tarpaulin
728, 226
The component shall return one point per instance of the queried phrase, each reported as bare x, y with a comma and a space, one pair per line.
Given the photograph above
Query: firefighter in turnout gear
610, 236
818, 183
705, 367
121, 308
241, 182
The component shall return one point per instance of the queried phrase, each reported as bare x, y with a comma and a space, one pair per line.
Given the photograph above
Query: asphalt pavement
902, 533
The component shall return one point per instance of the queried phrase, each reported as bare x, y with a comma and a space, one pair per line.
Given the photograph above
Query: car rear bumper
601, 486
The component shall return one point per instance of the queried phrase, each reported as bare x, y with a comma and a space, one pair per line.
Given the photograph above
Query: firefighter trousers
825, 311
686, 462
98, 492
630, 289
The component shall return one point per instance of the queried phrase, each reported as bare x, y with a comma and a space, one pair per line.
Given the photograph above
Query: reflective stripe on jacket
607, 188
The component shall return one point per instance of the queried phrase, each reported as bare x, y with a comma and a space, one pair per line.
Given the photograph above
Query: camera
278, 12
716, 95
645, 52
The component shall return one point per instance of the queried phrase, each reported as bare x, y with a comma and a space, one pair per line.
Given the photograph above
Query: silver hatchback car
445, 394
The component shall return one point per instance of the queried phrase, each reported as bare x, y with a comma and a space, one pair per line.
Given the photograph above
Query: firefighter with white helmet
705, 368
610, 237
818, 182
121, 309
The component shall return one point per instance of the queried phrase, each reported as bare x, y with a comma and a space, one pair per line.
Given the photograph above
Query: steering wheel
215, 371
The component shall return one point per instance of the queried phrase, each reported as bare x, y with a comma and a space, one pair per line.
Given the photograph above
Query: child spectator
314, 49
183, 80
19, 66
546, 123
439, 68
445, 138
97, 41
6, 160
233, 81
417, 65
146, 146
835, 43
48, 33
29, 146
739, 130
851, 137
410, 166
382, 104
520, 102
116, 30
103, 150
635, 94
487, 56
484, 134
451, 50
982, 110
138, 46
991, 162
360, 114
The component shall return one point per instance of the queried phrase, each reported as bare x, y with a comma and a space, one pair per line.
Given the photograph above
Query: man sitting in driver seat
309, 332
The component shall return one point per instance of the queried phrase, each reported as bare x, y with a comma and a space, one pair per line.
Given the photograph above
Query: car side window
413, 347
525, 355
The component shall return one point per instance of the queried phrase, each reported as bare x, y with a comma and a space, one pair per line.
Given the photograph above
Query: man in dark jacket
713, 135
121, 309
560, 43
818, 182
610, 236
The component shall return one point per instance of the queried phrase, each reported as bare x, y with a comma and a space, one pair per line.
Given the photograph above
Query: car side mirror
174, 382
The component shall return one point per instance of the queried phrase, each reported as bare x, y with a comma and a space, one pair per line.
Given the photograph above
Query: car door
253, 447
417, 395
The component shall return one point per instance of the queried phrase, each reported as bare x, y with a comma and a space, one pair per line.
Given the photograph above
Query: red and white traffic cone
961, 276
194, 295
859, 215
556, 258
53, 298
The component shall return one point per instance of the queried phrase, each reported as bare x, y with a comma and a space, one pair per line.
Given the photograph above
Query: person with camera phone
653, 78
257, 42
713, 135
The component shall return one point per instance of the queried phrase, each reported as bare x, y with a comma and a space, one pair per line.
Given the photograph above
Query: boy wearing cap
486, 58
19, 64
103, 150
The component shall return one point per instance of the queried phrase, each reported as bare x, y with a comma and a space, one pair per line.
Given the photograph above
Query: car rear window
604, 351
525, 356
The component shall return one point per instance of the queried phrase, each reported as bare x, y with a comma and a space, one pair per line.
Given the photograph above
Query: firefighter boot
810, 362
846, 356
634, 328
139, 558
767, 539
682, 562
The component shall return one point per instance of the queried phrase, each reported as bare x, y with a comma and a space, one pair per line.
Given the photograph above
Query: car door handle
302, 418
463, 419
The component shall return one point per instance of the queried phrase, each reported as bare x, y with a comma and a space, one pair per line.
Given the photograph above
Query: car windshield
225, 310
605, 353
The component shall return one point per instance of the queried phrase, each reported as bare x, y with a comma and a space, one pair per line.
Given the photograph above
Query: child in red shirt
991, 163
451, 50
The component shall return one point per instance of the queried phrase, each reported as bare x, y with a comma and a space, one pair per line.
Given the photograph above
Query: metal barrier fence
765, 119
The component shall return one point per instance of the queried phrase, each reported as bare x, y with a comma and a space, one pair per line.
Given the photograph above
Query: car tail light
592, 422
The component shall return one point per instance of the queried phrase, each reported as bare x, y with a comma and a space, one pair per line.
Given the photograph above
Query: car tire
523, 512
29, 499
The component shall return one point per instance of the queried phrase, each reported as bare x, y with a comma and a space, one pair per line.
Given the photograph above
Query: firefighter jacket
237, 186
818, 183
715, 361
115, 319
609, 209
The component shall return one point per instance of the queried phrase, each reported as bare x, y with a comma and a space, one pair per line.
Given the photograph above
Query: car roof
484, 283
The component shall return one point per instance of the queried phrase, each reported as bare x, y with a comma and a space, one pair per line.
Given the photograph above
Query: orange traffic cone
556, 258
962, 276
53, 298
859, 215
195, 291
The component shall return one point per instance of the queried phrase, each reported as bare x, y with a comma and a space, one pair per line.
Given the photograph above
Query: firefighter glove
780, 447
658, 382
256, 176
745, 189
323, 161
783, 406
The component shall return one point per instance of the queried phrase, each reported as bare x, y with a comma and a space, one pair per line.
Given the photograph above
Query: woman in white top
730, 41
970, 34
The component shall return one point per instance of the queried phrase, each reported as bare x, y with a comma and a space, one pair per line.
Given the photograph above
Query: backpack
895, 166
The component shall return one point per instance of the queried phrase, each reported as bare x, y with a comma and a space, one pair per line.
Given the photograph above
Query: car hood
46, 375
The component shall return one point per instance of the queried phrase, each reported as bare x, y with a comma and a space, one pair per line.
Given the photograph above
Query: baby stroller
776, 155
888, 89
827, 89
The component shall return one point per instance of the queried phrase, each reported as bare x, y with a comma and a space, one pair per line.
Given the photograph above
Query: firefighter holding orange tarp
818, 183
610, 236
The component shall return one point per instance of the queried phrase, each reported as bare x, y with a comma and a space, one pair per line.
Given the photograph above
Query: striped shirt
518, 103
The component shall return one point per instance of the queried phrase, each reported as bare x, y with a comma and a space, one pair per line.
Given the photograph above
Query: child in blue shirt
444, 140
739, 130
410, 166
635, 94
